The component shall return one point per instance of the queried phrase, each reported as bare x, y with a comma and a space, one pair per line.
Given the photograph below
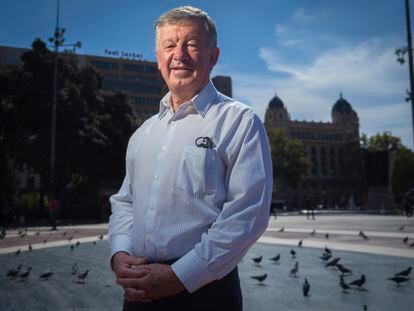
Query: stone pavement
380, 256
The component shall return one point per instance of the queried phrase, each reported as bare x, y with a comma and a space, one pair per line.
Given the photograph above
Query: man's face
184, 58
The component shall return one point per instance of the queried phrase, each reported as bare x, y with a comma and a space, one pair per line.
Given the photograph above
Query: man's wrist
114, 255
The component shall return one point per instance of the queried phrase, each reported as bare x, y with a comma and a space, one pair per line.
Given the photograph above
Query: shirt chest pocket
197, 171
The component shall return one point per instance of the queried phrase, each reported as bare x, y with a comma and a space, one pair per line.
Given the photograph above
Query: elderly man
198, 183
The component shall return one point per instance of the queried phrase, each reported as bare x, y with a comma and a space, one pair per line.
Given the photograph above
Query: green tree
92, 129
384, 141
290, 163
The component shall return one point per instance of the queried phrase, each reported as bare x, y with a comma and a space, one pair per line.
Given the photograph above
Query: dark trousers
224, 294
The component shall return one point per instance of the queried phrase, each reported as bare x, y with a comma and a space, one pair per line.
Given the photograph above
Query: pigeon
327, 235
37, 233
101, 237
343, 269
77, 244
17, 252
405, 240
23, 276
82, 277
359, 282
275, 259
327, 250
398, 279
363, 235
45, 241
343, 284
74, 268
306, 288
326, 256
45, 276
260, 278
401, 228
65, 233
300, 243
333, 262
257, 260
313, 232
30, 247
294, 270
12, 273
282, 229
404, 273
94, 242
71, 247
70, 238
412, 244
365, 308
293, 253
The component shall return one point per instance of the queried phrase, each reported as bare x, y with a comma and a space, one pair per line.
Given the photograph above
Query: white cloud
367, 74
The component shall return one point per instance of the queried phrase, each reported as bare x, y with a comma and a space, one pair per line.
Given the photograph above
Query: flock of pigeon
21, 275
332, 262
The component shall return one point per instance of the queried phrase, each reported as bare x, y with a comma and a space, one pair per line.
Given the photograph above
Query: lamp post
57, 41
410, 58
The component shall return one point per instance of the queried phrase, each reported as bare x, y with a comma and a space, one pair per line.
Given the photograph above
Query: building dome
276, 102
342, 106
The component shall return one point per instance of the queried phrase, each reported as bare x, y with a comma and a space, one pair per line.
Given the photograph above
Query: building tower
276, 114
344, 116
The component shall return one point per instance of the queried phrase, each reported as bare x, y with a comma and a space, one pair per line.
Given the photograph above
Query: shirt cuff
192, 271
120, 243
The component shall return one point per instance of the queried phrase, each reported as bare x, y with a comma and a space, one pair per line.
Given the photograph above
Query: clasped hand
143, 281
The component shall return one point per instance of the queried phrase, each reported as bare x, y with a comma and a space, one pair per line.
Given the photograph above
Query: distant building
139, 79
335, 176
223, 85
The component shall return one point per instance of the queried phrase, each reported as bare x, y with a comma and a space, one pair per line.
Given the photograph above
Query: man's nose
180, 53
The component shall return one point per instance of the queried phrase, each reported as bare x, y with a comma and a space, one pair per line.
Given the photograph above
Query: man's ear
214, 55
158, 59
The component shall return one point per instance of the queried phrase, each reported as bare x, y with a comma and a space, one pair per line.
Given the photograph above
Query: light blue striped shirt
204, 206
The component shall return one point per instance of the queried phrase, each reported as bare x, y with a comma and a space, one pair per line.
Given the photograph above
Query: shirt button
164, 148
156, 177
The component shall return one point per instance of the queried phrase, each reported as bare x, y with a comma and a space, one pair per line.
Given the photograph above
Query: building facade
139, 79
335, 176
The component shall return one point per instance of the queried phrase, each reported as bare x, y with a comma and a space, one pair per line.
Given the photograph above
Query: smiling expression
184, 58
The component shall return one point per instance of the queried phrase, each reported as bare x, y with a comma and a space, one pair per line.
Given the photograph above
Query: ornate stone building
335, 176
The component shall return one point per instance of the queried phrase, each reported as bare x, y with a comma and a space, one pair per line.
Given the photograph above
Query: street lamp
400, 52
58, 41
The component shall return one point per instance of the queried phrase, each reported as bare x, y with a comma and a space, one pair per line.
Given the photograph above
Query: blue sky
306, 51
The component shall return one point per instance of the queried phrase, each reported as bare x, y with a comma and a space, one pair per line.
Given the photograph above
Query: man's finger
129, 282
136, 261
127, 272
136, 295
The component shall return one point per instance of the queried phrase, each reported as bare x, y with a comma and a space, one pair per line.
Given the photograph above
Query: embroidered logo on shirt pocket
197, 170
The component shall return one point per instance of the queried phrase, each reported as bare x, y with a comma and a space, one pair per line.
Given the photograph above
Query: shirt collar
201, 101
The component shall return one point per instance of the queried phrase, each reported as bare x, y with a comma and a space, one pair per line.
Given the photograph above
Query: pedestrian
53, 208
407, 203
310, 208
198, 183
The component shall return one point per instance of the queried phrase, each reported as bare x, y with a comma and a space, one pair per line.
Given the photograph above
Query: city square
379, 257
